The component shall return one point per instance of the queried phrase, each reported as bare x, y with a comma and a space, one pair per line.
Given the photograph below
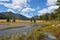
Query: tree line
52, 16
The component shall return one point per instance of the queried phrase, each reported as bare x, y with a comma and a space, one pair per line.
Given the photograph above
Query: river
19, 30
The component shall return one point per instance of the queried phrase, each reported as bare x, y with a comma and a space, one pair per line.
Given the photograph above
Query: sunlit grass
37, 33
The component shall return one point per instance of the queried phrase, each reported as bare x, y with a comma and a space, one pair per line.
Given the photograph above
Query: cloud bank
48, 10
51, 2
24, 7
28, 10
51, 7
17, 4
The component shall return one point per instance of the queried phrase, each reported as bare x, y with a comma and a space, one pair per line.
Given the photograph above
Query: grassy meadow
52, 27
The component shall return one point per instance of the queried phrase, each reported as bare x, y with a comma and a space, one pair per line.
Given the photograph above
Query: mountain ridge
11, 15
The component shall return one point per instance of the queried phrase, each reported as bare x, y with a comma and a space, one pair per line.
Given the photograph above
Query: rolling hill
11, 15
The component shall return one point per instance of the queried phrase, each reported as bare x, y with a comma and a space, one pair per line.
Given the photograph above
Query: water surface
18, 30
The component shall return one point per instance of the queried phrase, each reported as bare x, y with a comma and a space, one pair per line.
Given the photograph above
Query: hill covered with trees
11, 15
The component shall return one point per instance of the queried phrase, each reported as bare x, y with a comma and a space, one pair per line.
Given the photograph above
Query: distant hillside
5, 15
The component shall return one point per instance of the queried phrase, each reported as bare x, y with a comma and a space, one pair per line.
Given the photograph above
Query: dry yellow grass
19, 23
4, 21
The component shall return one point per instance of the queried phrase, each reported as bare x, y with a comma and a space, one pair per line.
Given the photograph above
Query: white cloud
43, 10
27, 15
28, 10
17, 4
11, 10
1, 3
51, 2
52, 8
47, 10
4, 0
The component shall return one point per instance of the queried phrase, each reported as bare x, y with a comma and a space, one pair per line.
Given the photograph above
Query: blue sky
28, 8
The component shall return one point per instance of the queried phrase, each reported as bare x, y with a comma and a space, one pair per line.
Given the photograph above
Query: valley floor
18, 23
51, 30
